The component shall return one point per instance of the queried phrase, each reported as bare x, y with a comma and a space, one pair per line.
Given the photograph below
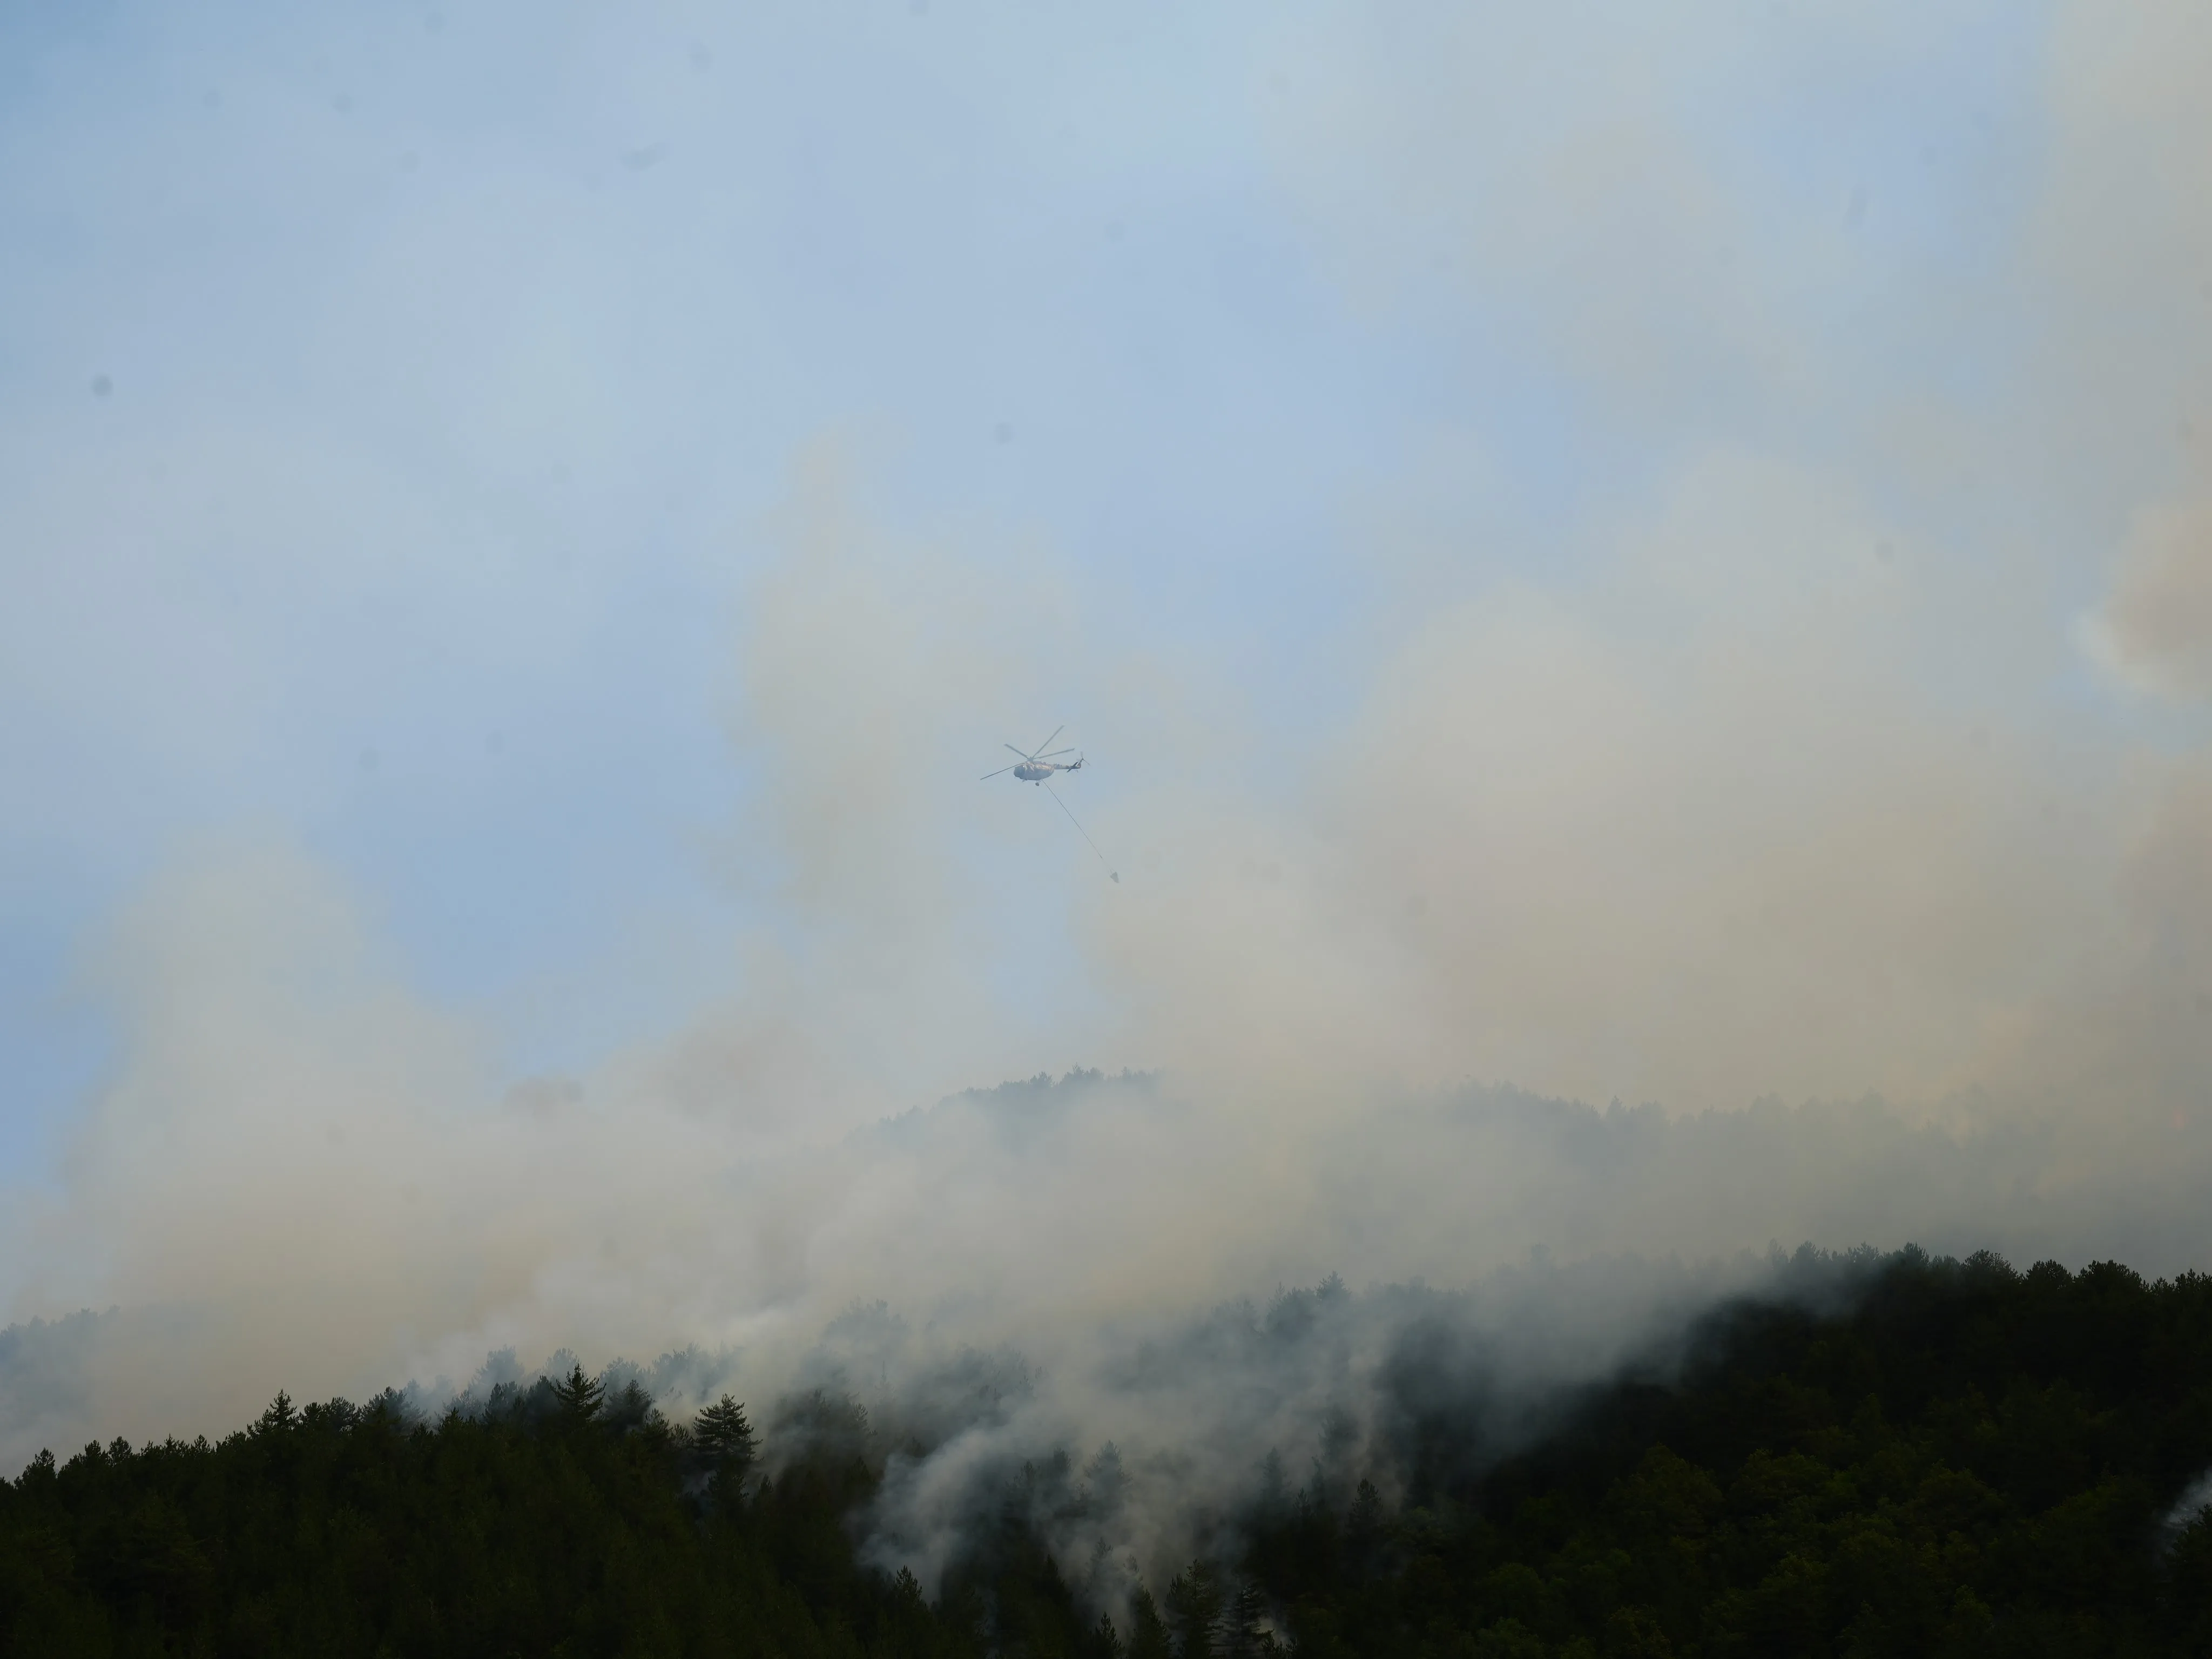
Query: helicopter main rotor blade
987, 776
1042, 747
1022, 752
1053, 755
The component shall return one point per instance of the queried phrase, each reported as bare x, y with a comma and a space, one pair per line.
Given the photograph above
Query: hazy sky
1654, 553
459, 360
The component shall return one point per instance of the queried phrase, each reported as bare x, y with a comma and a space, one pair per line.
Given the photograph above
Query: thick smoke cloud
1835, 779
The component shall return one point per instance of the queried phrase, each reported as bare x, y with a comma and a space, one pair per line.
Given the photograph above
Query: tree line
1965, 1460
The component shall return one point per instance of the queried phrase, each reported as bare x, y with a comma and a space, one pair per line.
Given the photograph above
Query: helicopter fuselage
1035, 765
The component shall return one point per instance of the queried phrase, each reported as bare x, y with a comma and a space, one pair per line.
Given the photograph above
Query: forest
1958, 1458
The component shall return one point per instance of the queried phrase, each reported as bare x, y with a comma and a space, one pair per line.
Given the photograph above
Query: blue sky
542, 309
554, 303
405, 413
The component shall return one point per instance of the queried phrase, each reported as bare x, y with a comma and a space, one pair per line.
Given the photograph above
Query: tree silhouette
581, 1398
1960, 1459
1244, 1633
1195, 1604
722, 1432
1148, 1632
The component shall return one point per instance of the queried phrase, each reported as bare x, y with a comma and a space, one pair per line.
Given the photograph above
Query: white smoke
1770, 783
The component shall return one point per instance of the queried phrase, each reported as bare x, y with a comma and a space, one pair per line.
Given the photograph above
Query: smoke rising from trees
1830, 787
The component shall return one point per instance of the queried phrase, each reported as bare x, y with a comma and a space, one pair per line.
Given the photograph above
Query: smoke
2188, 1509
1164, 1437
1829, 783
2155, 629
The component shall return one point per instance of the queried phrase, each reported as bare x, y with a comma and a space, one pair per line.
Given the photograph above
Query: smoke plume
1802, 832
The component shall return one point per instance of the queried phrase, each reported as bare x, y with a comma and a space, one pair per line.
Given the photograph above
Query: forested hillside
1965, 1459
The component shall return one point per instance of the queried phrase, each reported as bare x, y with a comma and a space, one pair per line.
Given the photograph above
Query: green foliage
1195, 1604
1148, 1632
581, 1398
1971, 1460
722, 1433
338, 1529
1968, 1461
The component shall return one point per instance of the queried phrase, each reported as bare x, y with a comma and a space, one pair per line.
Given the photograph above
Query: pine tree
580, 1397
724, 1434
1194, 1606
1363, 1530
1244, 1633
1148, 1632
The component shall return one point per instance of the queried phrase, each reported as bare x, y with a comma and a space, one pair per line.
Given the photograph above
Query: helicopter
1035, 766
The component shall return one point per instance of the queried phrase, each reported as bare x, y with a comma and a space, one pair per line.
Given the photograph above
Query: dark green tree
1148, 1632
581, 1398
1195, 1604
1955, 1459
722, 1433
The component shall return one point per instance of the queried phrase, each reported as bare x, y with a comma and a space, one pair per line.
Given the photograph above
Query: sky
1662, 559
